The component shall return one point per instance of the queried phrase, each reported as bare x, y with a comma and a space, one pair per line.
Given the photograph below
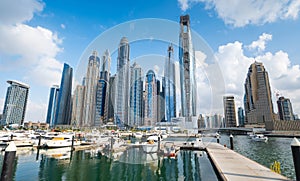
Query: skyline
236, 41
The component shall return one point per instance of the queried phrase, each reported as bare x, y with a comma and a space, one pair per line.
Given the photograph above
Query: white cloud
28, 51
15, 11
1, 105
36, 111
63, 26
241, 13
260, 44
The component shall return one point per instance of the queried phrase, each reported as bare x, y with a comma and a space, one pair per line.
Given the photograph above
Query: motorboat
61, 141
151, 146
138, 135
260, 137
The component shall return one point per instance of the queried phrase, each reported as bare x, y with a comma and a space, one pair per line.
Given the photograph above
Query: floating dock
232, 166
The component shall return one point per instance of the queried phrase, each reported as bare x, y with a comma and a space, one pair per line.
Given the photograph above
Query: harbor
250, 162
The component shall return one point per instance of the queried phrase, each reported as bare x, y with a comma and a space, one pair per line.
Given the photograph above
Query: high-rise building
122, 84
111, 98
136, 95
15, 103
52, 105
64, 98
257, 103
160, 98
187, 69
169, 86
77, 105
285, 109
150, 99
91, 80
102, 94
241, 117
229, 111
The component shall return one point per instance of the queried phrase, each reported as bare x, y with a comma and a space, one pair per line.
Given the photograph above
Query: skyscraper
111, 98
257, 103
150, 99
77, 105
122, 84
15, 103
91, 80
52, 105
169, 86
64, 100
241, 117
229, 111
285, 109
102, 91
187, 69
136, 95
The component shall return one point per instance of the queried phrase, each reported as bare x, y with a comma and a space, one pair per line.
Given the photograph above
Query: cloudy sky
37, 37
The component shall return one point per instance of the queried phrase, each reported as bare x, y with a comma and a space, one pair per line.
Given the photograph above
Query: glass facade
52, 105
15, 103
64, 99
122, 84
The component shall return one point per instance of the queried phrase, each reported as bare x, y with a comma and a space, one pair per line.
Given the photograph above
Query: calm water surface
133, 164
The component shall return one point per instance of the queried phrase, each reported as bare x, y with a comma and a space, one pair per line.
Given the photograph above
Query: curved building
15, 103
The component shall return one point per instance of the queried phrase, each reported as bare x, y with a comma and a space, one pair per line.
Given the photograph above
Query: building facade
15, 103
52, 105
169, 86
77, 106
64, 98
102, 94
90, 83
136, 95
111, 98
229, 111
122, 84
258, 103
241, 117
187, 69
285, 109
150, 99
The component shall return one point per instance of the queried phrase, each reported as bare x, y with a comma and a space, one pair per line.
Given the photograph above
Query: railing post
8, 161
231, 141
295, 145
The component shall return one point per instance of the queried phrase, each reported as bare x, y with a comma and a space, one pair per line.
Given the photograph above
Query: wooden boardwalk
235, 167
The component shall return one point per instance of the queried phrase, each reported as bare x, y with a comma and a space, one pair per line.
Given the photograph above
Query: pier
230, 165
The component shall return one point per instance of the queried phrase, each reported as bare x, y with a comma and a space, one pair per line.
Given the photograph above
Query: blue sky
39, 36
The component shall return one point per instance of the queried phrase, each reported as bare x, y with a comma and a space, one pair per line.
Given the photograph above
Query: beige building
258, 103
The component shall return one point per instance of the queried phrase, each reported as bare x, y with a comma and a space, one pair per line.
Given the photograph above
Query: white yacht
151, 146
260, 137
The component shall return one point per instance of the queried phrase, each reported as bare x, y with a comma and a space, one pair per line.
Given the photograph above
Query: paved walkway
233, 166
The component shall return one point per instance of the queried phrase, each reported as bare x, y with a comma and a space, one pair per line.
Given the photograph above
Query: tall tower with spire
169, 85
122, 84
187, 69
90, 83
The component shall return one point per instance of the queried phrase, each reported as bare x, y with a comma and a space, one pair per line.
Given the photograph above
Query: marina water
133, 164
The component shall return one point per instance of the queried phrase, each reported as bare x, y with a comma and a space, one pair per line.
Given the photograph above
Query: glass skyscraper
229, 111
169, 86
15, 103
102, 94
150, 99
187, 69
241, 117
52, 105
77, 105
122, 84
285, 109
64, 100
90, 83
136, 95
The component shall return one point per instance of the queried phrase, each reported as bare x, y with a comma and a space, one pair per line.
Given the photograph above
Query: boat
138, 135
151, 146
61, 141
170, 150
260, 137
